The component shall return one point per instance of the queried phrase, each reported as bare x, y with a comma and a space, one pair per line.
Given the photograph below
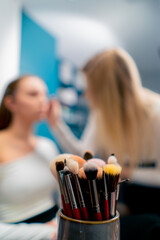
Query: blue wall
38, 57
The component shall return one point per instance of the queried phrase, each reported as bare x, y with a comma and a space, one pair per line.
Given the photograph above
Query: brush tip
112, 169
81, 174
88, 155
73, 166
59, 166
90, 170
112, 159
66, 170
100, 173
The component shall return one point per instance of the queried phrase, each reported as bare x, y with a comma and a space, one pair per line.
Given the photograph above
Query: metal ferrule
94, 196
112, 204
70, 191
105, 193
60, 184
79, 191
65, 194
117, 192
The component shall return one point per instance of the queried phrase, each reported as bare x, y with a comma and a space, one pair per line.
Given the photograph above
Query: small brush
105, 198
88, 155
123, 180
112, 175
75, 209
74, 168
85, 189
66, 199
112, 159
60, 167
91, 171
59, 158
103, 194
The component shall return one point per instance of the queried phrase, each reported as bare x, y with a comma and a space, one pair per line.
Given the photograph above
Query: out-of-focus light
66, 72
68, 96
80, 81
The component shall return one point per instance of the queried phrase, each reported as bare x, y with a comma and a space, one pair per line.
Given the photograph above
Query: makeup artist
124, 120
27, 187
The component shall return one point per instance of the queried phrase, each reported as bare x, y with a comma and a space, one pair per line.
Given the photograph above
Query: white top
24, 231
88, 141
27, 186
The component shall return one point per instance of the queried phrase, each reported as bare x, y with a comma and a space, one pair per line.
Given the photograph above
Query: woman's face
30, 100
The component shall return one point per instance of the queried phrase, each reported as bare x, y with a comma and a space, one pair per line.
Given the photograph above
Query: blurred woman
124, 120
26, 184
124, 117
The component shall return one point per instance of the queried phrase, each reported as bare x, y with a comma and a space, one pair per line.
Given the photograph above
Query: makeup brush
66, 199
123, 180
75, 209
105, 198
118, 188
74, 168
112, 159
103, 193
85, 189
88, 155
112, 175
59, 167
59, 158
91, 171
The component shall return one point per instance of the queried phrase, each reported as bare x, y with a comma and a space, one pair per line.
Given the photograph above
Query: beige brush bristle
81, 174
59, 158
73, 166
112, 160
100, 173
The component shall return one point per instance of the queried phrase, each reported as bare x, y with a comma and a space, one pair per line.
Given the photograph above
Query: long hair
5, 114
123, 118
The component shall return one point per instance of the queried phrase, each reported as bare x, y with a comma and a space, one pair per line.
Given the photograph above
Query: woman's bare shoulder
3, 136
3, 142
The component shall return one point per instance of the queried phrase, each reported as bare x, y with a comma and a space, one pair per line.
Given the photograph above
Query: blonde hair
123, 117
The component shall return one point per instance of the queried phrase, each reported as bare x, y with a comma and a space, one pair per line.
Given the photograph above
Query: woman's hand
54, 112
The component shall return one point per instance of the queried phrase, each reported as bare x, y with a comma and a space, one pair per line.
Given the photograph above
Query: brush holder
71, 229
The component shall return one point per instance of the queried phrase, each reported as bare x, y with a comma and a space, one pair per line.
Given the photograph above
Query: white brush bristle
73, 166
89, 166
112, 160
